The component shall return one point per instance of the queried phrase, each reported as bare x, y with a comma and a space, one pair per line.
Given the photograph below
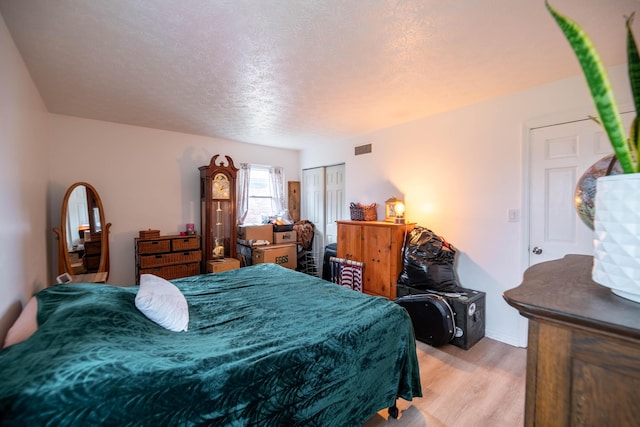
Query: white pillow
25, 325
163, 303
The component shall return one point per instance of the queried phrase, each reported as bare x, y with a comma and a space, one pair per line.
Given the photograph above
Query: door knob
536, 250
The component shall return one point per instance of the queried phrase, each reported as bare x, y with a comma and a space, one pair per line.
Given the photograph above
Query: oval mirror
83, 235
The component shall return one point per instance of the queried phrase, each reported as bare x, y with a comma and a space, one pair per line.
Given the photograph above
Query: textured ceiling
286, 73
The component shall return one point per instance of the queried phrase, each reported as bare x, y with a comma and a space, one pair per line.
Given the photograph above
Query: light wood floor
482, 386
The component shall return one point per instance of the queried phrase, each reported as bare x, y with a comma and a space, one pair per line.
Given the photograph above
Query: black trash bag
428, 262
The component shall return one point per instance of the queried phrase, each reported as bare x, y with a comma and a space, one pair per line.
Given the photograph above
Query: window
259, 196
261, 193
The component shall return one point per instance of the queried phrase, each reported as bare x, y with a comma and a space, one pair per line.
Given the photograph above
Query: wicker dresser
169, 257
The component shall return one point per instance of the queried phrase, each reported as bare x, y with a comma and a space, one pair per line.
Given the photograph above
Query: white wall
146, 178
23, 183
460, 172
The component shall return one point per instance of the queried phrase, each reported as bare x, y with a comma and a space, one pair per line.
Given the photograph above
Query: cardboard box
256, 232
225, 264
284, 255
285, 237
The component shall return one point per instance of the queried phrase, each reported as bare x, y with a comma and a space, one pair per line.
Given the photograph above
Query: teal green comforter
265, 346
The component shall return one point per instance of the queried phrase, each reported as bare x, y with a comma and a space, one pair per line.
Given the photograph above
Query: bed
265, 345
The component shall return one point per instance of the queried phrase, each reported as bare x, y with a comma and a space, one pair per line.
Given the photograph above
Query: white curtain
276, 182
276, 189
77, 215
242, 198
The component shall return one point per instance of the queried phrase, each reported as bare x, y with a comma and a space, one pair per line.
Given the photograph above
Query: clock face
220, 187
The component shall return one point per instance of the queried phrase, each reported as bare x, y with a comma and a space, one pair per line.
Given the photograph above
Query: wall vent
363, 149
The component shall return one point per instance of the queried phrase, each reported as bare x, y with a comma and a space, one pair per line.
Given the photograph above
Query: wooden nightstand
225, 264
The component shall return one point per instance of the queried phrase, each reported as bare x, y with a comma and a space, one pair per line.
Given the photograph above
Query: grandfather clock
218, 210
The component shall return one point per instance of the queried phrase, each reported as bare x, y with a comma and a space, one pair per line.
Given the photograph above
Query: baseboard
505, 338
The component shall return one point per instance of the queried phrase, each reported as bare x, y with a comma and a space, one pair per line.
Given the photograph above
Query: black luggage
431, 316
468, 308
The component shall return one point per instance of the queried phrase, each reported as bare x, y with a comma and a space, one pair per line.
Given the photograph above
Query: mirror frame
64, 262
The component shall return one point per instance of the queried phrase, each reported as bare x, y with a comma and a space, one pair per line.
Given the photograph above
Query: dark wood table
583, 357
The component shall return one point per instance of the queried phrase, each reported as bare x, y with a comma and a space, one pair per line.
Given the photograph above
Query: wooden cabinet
169, 257
91, 258
379, 245
583, 357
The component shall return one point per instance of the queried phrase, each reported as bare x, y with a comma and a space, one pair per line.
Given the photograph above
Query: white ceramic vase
616, 260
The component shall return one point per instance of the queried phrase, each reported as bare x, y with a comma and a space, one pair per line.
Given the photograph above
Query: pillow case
163, 303
25, 325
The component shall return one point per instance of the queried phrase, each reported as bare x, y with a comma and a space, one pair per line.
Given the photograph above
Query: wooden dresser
91, 258
379, 245
169, 257
583, 358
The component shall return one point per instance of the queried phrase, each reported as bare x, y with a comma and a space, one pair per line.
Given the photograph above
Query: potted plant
617, 204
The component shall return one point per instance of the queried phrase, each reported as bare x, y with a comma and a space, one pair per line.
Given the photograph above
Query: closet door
323, 203
334, 201
312, 192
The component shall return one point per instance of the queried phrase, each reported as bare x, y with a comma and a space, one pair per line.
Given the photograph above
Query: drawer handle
155, 243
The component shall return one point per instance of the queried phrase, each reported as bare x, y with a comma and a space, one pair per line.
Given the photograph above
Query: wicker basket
149, 234
154, 246
360, 212
151, 261
185, 243
173, 271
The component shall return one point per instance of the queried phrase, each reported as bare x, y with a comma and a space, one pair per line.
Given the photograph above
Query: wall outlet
514, 215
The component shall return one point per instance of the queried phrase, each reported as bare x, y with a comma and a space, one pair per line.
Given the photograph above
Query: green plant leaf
600, 88
634, 63
634, 77
634, 134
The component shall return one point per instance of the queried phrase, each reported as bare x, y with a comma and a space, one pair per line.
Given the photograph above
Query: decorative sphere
585, 194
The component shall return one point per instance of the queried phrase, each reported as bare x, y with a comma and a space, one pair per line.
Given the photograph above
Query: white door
334, 201
560, 154
323, 203
312, 209
312, 191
